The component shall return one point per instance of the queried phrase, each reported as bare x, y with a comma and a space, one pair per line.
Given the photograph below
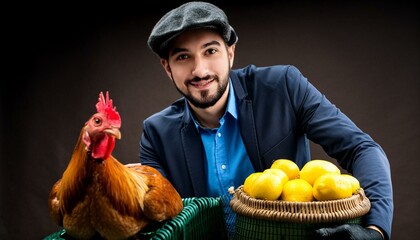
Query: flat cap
191, 15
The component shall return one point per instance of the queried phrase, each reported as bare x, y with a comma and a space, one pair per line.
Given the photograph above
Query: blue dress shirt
228, 163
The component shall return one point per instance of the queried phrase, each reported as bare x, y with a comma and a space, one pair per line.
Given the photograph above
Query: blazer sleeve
172, 145
355, 150
148, 154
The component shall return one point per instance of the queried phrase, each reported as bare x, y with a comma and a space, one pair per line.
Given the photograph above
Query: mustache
207, 77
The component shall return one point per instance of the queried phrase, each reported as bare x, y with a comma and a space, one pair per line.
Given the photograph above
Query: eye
97, 121
211, 51
182, 57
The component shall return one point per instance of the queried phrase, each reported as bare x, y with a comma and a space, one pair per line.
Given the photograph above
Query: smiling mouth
201, 84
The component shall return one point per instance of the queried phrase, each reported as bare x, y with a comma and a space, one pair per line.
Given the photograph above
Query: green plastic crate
201, 218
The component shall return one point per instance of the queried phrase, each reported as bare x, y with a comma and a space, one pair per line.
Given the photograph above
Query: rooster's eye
97, 121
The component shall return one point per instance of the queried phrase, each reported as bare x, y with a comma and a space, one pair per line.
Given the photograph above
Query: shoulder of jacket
177, 108
251, 69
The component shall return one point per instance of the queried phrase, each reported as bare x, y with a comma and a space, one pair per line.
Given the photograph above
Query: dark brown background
363, 56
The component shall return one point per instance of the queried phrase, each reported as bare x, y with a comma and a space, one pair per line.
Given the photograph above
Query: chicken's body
99, 195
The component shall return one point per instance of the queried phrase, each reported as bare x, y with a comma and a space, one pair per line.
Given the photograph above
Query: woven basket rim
309, 212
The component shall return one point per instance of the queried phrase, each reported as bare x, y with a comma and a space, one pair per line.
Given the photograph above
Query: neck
209, 117
75, 177
124, 187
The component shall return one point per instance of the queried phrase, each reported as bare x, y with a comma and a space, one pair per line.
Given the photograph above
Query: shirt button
219, 134
223, 166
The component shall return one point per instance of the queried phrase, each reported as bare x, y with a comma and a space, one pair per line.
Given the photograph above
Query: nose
200, 68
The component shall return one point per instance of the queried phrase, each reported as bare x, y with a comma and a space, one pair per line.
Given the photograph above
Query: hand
348, 232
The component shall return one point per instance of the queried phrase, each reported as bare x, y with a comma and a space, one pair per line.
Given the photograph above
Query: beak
114, 132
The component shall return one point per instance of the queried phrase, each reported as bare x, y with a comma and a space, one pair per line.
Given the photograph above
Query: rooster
99, 196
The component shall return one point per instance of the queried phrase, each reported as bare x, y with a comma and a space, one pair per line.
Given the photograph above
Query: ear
86, 140
165, 64
231, 54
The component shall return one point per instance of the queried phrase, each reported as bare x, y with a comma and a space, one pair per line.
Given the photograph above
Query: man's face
198, 64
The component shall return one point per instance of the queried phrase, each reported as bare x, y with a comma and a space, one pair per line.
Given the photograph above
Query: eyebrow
177, 50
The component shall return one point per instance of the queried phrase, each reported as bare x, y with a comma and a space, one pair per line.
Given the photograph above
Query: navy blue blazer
278, 111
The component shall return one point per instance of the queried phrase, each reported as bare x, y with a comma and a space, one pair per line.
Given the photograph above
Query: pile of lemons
317, 180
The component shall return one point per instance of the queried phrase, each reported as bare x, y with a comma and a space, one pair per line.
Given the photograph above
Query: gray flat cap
190, 15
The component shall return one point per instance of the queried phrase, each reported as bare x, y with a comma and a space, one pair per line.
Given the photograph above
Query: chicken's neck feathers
75, 178
124, 187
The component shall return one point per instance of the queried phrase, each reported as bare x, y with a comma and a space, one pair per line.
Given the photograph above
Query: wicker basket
264, 219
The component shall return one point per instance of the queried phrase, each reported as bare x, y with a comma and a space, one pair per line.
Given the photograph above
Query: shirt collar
231, 104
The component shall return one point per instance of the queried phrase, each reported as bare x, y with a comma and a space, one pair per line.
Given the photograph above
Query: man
231, 123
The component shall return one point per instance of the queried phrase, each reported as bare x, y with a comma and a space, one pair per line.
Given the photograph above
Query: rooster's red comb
104, 106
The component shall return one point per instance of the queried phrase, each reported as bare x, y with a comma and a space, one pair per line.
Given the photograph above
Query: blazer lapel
248, 133
247, 123
194, 156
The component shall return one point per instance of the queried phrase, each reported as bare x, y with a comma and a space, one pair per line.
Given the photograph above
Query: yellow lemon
288, 166
249, 181
278, 172
297, 190
355, 184
265, 185
332, 186
315, 168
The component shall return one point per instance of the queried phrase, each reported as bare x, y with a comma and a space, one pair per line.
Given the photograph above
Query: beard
206, 100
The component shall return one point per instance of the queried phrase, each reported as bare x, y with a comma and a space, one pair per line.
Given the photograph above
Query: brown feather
75, 178
124, 188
